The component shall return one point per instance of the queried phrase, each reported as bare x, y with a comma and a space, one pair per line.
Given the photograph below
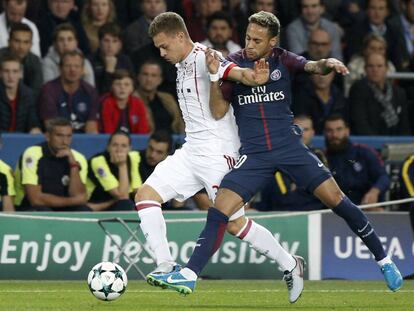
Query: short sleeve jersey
204, 134
103, 176
263, 112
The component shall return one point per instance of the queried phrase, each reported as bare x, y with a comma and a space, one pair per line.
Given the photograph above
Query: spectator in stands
59, 12
357, 169
197, 23
377, 12
14, 12
121, 110
109, 57
377, 107
319, 99
20, 42
164, 113
17, 103
64, 40
159, 146
308, 132
319, 47
219, 33
136, 34
51, 176
69, 97
150, 52
7, 191
113, 175
281, 192
297, 32
373, 43
404, 22
95, 14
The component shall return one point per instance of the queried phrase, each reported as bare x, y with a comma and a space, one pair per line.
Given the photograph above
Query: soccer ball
107, 281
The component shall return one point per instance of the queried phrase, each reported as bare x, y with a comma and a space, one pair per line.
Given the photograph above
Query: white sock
188, 274
383, 261
155, 230
265, 243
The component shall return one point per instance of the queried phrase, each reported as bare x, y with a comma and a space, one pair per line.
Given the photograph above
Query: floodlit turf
209, 295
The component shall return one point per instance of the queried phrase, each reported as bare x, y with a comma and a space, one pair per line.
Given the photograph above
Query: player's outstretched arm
325, 66
251, 77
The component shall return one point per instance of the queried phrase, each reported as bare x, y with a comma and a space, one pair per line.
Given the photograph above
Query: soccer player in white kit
210, 149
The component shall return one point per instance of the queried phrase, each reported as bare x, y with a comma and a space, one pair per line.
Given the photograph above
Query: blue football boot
174, 280
392, 276
163, 268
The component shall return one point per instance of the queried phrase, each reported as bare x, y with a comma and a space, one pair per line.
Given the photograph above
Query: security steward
7, 191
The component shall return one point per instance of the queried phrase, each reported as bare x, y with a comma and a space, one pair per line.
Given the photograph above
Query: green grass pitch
209, 295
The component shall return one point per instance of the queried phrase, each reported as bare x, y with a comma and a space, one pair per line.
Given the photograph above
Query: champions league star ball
107, 281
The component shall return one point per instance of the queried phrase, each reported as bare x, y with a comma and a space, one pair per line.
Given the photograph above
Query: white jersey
204, 134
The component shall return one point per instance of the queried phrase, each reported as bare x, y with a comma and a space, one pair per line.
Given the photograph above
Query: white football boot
294, 279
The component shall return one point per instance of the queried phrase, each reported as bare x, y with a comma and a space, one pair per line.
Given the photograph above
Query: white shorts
183, 174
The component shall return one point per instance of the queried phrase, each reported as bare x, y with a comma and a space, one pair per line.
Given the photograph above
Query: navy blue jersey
263, 112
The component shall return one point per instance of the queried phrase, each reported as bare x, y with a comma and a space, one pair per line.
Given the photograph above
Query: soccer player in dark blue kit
270, 142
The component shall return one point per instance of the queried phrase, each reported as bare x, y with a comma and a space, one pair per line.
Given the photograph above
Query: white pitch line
214, 291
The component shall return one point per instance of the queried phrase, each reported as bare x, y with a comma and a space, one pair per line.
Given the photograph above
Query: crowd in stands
92, 63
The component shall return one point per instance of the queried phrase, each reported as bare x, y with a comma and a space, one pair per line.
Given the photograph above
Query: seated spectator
17, 103
404, 23
95, 14
319, 47
377, 107
197, 23
219, 33
376, 14
281, 193
136, 34
308, 132
358, 169
150, 52
59, 12
297, 32
7, 191
109, 57
121, 110
319, 99
14, 12
162, 107
113, 176
159, 146
20, 42
64, 40
69, 97
373, 43
51, 176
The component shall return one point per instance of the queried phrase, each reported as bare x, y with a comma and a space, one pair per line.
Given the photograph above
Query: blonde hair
266, 20
87, 18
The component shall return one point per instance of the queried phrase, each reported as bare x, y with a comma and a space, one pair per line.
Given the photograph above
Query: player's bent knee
146, 192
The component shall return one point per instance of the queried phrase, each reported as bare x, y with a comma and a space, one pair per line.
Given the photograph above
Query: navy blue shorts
253, 171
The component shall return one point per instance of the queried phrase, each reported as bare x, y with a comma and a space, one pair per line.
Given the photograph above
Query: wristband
76, 164
214, 77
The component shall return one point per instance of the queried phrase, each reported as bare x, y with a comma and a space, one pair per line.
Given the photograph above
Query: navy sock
209, 241
360, 225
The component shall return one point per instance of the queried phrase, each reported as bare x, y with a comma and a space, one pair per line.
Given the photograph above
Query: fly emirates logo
259, 95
